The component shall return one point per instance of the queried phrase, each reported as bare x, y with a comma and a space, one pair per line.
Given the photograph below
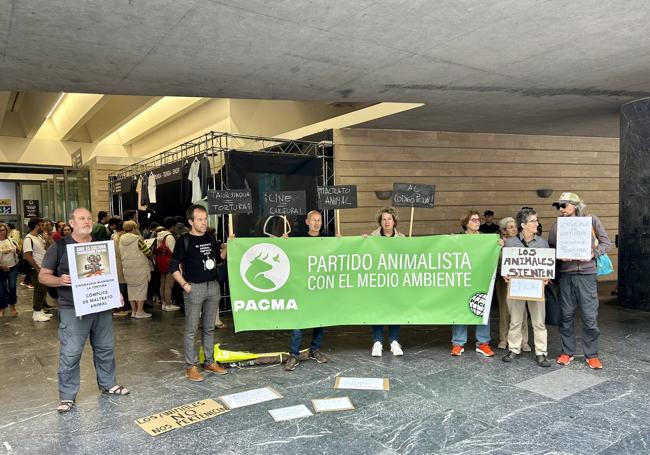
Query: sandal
221, 325
65, 406
117, 390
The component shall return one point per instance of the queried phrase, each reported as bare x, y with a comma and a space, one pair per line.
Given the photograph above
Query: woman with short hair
8, 271
387, 219
135, 256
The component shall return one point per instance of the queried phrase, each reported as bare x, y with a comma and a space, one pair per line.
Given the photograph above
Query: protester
470, 224
33, 252
136, 266
165, 243
578, 286
314, 222
508, 228
100, 231
73, 330
387, 219
197, 251
489, 227
527, 238
8, 271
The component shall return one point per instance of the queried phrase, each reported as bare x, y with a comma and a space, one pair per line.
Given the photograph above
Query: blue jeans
316, 340
202, 299
73, 333
378, 333
8, 287
459, 334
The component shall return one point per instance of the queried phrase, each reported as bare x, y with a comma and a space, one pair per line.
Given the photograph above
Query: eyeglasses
561, 206
533, 221
475, 220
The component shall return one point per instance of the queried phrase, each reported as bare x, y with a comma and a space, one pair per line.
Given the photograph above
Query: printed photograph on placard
92, 260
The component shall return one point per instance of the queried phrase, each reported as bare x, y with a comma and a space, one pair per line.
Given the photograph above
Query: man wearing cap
489, 227
578, 280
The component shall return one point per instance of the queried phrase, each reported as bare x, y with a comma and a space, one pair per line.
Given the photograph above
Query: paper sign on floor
290, 413
332, 404
362, 383
255, 396
180, 416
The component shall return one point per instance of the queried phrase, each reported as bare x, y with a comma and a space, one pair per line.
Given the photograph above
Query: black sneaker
542, 361
317, 355
510, 357
291, 364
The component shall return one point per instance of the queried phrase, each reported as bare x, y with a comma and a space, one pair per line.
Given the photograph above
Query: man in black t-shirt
194, 267
314, 221
489, 227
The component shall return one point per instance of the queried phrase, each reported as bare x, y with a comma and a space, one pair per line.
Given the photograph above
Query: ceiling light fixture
58, 101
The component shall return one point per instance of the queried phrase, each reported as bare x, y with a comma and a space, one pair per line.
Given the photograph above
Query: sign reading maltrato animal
285, 203
224, 202
413, 195
337, 197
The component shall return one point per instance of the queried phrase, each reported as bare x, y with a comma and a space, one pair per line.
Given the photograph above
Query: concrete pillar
634, 207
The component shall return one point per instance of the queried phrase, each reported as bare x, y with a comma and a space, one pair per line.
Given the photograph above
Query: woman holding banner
387, 219
527, 224
471, 223
578, 285
508, 228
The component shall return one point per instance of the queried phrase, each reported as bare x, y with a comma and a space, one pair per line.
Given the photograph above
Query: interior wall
481, 171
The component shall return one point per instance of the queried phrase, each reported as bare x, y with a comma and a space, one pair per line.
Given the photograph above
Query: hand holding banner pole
411, 224
231, 228
338, 223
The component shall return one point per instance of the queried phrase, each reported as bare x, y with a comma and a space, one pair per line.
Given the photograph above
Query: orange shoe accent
595, 363
564, 359
485, 350
457, 350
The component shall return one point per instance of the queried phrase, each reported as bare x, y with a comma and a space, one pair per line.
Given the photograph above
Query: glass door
77, 189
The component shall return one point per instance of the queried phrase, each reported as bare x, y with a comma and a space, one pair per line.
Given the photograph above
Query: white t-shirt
8, 253
193, 176
36, 246
151, 188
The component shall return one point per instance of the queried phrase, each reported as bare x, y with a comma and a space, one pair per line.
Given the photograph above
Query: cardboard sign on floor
332, 404
362, 383
290, 413
180, 416
255, 396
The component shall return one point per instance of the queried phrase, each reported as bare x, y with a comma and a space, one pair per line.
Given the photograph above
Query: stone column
634, 206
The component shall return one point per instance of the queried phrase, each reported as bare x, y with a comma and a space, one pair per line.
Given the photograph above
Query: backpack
60, 250
163, 256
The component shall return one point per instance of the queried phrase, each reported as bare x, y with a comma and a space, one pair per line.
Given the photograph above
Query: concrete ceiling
514, 66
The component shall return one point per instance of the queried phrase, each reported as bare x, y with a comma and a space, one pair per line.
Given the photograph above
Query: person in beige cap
578, 288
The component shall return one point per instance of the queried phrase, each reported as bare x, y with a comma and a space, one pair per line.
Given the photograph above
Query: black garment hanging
144, 191
205, 176
185, 193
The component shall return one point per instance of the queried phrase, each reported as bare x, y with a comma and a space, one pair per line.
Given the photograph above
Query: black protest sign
31, 208
283, 203
337, 197
224, 202
413, 195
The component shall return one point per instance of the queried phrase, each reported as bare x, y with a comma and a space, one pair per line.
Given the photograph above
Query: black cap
488, 213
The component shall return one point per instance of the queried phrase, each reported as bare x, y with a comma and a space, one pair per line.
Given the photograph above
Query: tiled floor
436, 403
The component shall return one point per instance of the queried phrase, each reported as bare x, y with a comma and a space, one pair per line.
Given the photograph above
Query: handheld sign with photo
337, 197
180, 416
526, 289
93, 272
285, 203
574, 238
362, 383
226, 202
413, 195
528, 262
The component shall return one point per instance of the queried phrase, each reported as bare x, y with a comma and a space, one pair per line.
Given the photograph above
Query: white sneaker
39, 316
396, 349
170, 307
143, 315
376, 349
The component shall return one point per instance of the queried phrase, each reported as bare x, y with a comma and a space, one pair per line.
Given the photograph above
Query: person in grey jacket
578, 280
